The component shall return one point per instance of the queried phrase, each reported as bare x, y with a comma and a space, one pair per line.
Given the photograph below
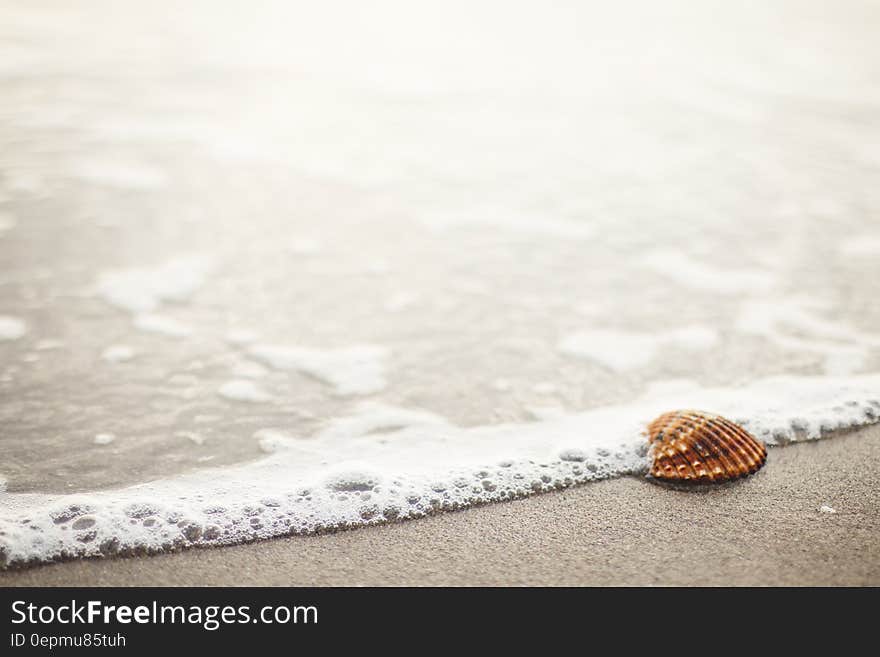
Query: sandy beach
768, 530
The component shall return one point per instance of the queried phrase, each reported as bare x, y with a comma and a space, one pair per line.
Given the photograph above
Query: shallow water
376, 254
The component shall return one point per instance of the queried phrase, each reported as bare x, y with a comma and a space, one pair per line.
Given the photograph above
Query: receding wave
384, 464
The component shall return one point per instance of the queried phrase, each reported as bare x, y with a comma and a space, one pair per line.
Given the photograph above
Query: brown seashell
696, 447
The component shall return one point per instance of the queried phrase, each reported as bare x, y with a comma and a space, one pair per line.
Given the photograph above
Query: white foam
371, 418
827, 509
244, 391
355, 370
385, 463
11, 328
795, 324
141, 290
623, 351
618, 350
104, 438
694, 274
192, 436
162, 324
272, 440
118, 353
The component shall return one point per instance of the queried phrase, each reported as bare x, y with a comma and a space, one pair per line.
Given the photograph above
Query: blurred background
217, 217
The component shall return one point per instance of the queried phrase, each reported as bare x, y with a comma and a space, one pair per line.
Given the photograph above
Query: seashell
695, 447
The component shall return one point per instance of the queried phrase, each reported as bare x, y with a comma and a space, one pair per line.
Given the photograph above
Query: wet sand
768, 530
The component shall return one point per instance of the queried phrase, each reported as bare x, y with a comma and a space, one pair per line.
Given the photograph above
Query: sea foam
11, 328
383, 463
625, 350
355, 370
244, 391
143, 289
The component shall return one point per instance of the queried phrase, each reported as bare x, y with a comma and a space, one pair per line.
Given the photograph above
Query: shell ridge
729, 460
694, 446
681, 458
740, 450
724, 440
746, 442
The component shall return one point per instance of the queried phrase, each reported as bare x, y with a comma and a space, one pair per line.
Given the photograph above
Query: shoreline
765, 530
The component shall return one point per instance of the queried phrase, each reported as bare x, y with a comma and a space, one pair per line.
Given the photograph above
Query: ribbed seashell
696, 447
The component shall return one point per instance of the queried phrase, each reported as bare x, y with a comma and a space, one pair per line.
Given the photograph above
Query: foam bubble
142, 290
162, 324
192, 436
348, 478
11, 328
104, 438
272, 440
118, 353
244, 391
355, 370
